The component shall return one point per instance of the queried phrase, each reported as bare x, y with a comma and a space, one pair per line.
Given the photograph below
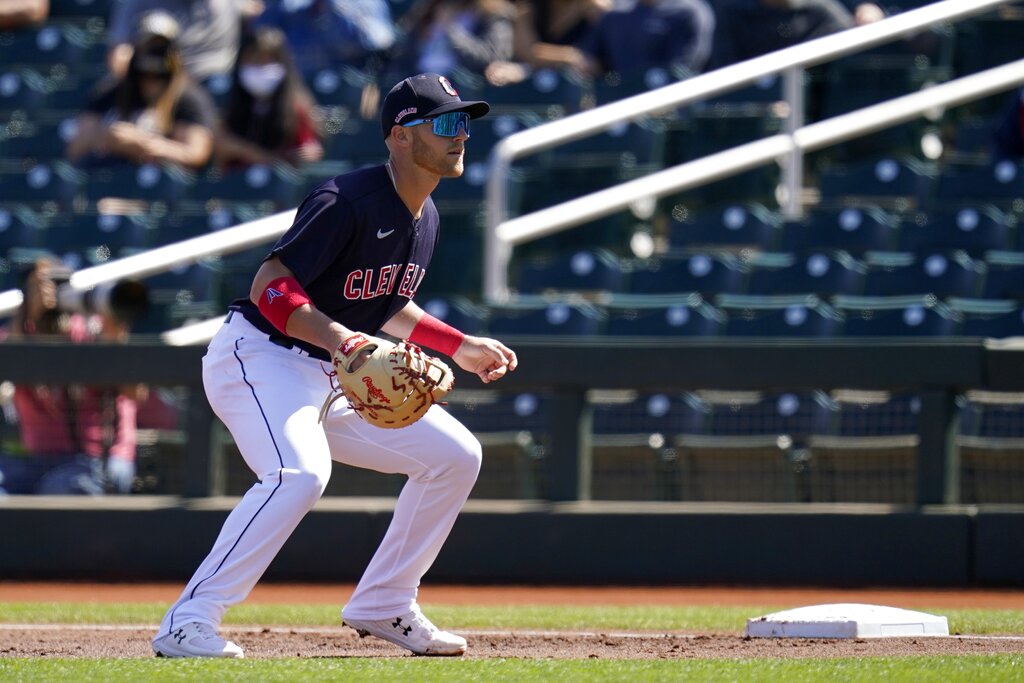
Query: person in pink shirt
73, 439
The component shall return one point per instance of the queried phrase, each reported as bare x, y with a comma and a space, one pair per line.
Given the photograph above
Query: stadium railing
502, 232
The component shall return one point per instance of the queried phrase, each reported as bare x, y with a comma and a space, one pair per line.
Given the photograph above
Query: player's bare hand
487, 358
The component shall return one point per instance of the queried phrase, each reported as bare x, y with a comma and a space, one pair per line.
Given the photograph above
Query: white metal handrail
497, 249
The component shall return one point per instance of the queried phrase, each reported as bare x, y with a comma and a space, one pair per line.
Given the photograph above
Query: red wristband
280, 299
434, 334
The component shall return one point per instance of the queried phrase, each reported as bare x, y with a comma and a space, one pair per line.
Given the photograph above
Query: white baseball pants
269, 397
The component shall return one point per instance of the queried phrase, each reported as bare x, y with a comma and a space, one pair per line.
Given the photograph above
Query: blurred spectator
207, 32
18, 13
751, 28
74, 439
269, 115
442, 36
549, 32
155, 114
1008, 136
640, 34
325, 34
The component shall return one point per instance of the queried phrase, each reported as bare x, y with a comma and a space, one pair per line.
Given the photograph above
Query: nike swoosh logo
381, 234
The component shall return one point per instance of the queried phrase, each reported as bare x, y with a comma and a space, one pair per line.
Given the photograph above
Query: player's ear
400, 134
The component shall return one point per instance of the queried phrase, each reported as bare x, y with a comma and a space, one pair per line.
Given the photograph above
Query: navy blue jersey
356, 250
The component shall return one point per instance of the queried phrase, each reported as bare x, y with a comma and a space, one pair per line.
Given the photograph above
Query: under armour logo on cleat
179, 635
381, 233
404, 629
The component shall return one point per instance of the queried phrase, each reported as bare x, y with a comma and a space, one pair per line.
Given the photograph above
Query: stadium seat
627, 143
41, 46
692, 317
81, 8
148, 182
20, 227
458, 312
510, 429
787, 415
855, 230
111, 231
887, 181
757, 468
897, 316
996, 319
544, 90
991, 445
43, 142
338, 87
815, 273
900, 274
777, 316
277, 186
358, 142
975, 230
701, 273
1001, 183
1004, 276
585, 272
55, 182
867, 450
631, 458
736, 226
21, 90
546, 319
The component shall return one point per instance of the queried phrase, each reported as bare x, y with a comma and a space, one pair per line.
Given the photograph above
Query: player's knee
306, 485
466, 457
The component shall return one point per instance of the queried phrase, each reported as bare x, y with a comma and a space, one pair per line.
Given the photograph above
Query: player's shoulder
361, 184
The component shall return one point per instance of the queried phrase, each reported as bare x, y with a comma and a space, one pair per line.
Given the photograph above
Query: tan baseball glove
388, 385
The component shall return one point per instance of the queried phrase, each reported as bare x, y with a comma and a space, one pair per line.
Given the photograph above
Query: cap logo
405, 112
448, 87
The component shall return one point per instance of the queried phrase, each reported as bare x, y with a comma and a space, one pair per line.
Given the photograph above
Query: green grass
646, 618
988, 668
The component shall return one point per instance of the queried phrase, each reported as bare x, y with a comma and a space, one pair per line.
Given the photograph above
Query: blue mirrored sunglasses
445, 125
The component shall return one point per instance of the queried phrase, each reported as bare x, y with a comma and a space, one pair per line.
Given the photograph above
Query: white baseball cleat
195, 639
414, 632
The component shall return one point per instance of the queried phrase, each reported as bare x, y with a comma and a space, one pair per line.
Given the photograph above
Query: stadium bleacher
893, 243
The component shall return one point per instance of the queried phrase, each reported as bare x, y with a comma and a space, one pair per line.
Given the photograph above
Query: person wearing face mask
154, 114
268, 117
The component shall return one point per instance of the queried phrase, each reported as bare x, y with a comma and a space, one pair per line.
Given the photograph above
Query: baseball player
360, 245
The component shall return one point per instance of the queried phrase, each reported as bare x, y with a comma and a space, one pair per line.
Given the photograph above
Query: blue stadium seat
815, 273
41, 46
702, 273
112, 231
338, 87
36, 140
648, 413
469, 187
551, 319
458, 312
21, 89
358, 142
581, 271
20, 227
975, 230
55, 182
628, 143
755, 413
897, 316
887, 180
943, 275
992, 414
855, 230
483, 412
148, 182
1001, 183
544, 89
777, 316
691, 318
734, 226
277, 186
994, 319
1004, 276
858, 413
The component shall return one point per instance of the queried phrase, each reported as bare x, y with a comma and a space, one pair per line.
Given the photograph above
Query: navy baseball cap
423, 96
